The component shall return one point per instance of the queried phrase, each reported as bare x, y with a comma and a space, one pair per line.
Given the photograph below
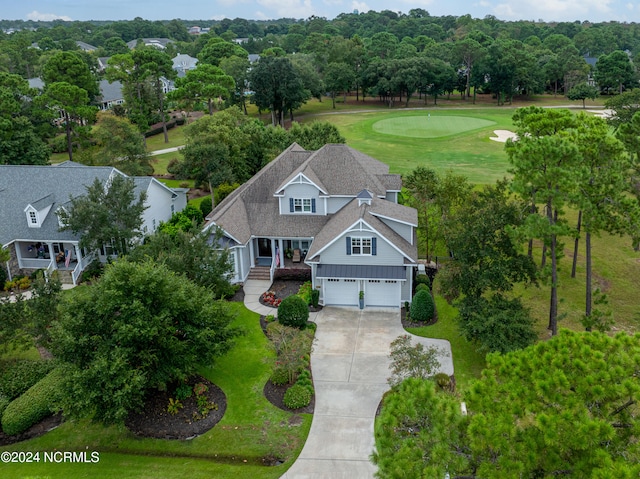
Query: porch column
252, 256
273, 249
281, 252
52, 256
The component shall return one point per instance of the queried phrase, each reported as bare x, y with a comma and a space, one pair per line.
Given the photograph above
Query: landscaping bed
155, 421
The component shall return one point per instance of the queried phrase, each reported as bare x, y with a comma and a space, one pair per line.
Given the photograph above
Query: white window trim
303, 203
33, 218
358, 242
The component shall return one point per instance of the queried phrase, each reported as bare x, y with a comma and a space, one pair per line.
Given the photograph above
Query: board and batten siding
301, 190
336, 253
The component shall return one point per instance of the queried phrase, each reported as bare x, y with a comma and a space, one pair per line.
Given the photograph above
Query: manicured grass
467, 362
177, 183
430, 126
196, 201
250, 430
160, 162
471, 153
176, 138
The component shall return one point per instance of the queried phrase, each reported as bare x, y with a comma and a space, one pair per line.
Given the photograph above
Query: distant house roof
183, 62
36, 83
160, 43
85, 46
253, 57
110, 91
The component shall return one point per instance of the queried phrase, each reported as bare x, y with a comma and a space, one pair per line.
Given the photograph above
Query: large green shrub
315, 298
297, 396
4, 402
19, 375
422, 307
294, 312
422, 287
422, 279
34, 405
206, 206
280, 375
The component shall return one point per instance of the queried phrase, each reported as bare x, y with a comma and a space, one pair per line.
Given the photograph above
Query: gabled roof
253, 210
41, 186
151, 42
352, 214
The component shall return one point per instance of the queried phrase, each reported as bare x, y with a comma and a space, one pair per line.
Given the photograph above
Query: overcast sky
547, 10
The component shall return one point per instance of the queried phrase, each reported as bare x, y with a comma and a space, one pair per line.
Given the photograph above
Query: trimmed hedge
19, 375
34, 405
422, 306
4, 402
421, 287
293, 312
422, 279
297, 396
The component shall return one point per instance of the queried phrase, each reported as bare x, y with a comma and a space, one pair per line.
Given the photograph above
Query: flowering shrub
269, 298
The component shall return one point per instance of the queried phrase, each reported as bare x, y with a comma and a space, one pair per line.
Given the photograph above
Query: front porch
274, 257
65, 257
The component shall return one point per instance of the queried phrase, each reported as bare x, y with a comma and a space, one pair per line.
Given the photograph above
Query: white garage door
341, 292
382, 293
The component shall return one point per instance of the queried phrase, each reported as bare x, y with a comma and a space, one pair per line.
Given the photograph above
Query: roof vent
364, 198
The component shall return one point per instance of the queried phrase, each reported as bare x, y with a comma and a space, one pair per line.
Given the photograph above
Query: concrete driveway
350, 364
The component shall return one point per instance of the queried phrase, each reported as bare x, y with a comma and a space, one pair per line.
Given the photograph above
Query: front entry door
264, 247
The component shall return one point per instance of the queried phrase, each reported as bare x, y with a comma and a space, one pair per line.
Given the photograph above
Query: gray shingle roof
351, 214
41, 186
253, 210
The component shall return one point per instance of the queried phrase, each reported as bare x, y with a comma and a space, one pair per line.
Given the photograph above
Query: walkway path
166, 150
350, 364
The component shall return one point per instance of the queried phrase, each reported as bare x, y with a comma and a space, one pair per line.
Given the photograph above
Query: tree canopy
141, 327
567, 407
107, 215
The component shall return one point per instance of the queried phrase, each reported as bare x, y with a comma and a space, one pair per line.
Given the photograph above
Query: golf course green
429, 126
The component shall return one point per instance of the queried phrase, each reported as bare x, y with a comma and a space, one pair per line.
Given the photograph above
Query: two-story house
338, 209
31, 197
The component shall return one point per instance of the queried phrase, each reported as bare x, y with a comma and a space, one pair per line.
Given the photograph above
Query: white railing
77, 271
272, 269
50, 269
35, 263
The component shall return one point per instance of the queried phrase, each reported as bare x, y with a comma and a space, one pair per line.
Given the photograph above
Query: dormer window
302, 205
33, 220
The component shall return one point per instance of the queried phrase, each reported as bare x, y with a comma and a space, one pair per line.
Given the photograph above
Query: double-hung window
361, 246
302, 205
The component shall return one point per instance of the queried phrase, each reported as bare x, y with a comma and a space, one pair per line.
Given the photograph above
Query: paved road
350, 364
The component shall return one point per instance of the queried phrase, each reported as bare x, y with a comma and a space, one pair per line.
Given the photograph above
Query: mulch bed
407, 323
284, 288
36, 430
275, 395
155, 421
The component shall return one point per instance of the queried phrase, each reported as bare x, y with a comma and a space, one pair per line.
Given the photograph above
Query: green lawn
250, 430
467, 362
160, 162
176, 138
469, 152
429, 126
177, 183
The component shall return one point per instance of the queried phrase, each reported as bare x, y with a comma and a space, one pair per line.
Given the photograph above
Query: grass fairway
430, 126
458, 140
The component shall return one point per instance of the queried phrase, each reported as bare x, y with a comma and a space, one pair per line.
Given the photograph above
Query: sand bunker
503, 135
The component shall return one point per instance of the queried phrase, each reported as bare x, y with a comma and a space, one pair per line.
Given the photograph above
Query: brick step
260, 273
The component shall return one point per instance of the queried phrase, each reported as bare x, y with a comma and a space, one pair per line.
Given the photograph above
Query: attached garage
341, 284
379, 292
341, 292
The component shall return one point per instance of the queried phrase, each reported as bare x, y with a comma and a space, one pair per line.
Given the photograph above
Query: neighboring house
85, 46
183, 63
110, 94
160, 43
338, 208
31, 197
